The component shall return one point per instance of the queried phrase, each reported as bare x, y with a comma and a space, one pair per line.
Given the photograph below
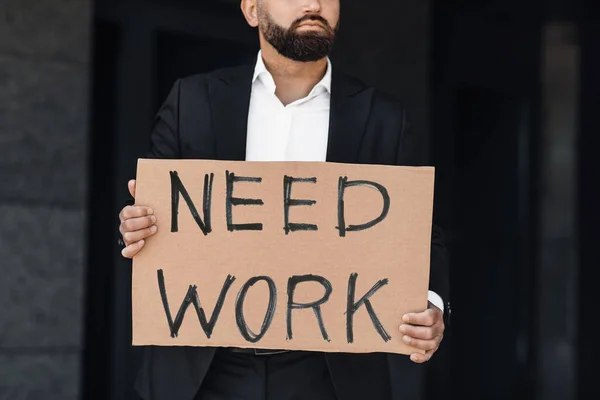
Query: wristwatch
120, 241
447, 314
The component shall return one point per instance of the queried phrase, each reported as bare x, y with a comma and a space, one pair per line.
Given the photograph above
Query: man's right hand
137, 223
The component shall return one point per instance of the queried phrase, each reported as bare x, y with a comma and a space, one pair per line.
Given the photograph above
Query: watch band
120, 241
447, 314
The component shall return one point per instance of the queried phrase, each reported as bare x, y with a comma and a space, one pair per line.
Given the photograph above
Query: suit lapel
349, 111
229, 94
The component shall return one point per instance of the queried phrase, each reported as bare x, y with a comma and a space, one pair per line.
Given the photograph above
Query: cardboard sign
299, 256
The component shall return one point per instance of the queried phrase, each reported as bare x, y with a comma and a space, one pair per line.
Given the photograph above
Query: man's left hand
423, 331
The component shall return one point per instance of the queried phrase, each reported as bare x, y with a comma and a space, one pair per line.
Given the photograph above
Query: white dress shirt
296, 132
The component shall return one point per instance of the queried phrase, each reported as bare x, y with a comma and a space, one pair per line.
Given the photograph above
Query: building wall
44, 65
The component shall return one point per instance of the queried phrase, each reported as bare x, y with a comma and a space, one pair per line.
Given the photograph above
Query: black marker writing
239, 309
289, 202
315, 305
231, 201
352, 307
176, 188
191, 297
342, 185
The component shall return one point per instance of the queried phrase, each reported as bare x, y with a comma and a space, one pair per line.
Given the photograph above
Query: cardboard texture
262, 304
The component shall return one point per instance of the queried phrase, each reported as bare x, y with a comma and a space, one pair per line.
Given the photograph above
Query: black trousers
285, 376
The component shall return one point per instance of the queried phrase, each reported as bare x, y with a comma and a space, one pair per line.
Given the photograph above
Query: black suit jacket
205, 117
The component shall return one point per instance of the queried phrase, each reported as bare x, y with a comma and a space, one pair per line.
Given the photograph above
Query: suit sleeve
411, 151
164, 139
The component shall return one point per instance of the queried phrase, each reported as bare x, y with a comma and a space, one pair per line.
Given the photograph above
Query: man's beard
298, 46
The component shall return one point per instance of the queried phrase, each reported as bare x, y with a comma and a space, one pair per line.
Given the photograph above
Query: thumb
131, 187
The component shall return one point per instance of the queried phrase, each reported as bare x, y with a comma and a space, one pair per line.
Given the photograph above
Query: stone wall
44, 68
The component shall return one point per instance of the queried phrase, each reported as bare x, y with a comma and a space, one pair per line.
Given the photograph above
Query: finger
422, 358
421, 332
422, 344
131, 187
131, 250
130, 212
136, 236
425, 318
137, 224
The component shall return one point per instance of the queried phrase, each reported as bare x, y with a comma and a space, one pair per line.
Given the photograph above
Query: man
290, 105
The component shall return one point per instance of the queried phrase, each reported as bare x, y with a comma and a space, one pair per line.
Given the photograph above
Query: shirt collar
261, 73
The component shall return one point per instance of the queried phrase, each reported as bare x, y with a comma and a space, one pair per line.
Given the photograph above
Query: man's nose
312, 6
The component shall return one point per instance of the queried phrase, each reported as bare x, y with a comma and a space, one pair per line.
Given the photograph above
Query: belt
257, 352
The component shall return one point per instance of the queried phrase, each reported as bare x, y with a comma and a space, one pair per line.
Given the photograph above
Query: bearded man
289, 105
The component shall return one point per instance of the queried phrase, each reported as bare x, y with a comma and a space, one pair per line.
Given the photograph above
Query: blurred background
506, 93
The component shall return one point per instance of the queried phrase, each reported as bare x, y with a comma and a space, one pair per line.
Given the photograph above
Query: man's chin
310, 34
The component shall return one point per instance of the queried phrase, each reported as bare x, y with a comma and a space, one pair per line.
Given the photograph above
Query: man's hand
137, 223
424, 331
